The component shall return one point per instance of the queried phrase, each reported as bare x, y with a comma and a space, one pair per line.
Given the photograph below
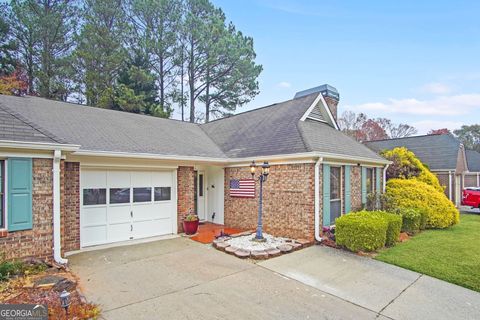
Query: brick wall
444, 181
38, 241
288, 201
356, 187
185, 190
70, 184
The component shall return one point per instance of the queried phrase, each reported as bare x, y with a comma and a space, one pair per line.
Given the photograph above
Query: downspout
450, 185
385, 178
317, 199
57, 244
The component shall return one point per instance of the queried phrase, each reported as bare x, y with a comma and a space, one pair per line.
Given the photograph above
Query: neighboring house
445, 155
76, 176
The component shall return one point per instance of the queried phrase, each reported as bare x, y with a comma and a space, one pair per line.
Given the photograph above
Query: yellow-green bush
414, 194
361, 231
394, 226
407, 166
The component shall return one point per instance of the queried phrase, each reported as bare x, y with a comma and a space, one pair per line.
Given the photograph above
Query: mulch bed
45, 288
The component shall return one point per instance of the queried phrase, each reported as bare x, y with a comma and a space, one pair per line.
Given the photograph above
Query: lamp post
262, 178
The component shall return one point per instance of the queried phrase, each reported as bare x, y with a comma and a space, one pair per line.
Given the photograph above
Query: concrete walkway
183, 279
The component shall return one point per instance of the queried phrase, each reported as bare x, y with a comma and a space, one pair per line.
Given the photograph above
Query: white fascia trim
153, 156
38, 145
325, 105
232, 161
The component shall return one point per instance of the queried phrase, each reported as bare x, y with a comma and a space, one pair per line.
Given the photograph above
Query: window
162, 194
2, 196
142, 194
335, 183
94, 196
370, 180
119, 195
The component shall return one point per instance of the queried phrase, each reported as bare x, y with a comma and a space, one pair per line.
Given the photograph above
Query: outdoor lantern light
65, 300
265, 169
253, 167
262, 178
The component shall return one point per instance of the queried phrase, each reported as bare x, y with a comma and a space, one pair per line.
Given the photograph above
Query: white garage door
121, 205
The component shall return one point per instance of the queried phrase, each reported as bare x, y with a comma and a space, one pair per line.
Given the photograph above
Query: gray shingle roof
277, 129
437, 151
106, 130
17, 129
473, 160
322, 137
272, 130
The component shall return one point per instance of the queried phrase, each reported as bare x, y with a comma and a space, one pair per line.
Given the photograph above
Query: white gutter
38, 145
317, 200
57, 244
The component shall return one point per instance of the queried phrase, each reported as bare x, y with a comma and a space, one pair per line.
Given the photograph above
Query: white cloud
284, 84
436, 88
425, 126
442, 106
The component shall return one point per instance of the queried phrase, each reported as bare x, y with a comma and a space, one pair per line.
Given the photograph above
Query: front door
335, 192
201, 212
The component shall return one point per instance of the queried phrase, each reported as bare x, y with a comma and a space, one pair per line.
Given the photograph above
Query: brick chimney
330, 94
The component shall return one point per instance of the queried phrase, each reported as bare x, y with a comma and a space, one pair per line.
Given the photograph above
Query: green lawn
452, 254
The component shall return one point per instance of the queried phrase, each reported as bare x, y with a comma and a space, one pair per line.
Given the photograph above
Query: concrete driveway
182, 279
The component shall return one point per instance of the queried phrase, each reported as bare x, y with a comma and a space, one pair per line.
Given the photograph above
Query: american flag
242, 188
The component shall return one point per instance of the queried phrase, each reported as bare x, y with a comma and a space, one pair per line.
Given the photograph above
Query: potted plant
190, 224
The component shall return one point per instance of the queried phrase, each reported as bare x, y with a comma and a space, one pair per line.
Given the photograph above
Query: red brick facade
37, 242
186, 196
356, 187
288, 201
70, 185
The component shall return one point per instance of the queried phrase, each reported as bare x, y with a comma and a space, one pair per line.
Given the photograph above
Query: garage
120, 205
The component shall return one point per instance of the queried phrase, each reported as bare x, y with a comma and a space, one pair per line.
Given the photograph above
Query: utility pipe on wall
57, 244
317, 199
385, 178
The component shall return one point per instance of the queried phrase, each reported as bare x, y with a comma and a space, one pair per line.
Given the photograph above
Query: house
75, 176
455, 167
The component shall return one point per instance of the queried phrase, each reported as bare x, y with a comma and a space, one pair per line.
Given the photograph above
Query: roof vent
326, 90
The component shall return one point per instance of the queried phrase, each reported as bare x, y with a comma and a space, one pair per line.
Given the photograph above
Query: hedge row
367, 230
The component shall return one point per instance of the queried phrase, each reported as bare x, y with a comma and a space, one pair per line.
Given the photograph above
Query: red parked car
471, 197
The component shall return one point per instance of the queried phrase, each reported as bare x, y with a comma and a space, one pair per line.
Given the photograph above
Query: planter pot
190, 227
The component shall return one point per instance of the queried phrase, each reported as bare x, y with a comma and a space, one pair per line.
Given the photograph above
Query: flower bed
244, 245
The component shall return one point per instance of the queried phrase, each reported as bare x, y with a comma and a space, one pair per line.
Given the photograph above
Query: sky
415, 62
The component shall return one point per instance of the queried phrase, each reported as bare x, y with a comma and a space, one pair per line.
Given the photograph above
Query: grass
451, 254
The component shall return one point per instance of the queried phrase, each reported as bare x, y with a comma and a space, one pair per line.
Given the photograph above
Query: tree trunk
191, 81
182, 102
162, 83
207, 97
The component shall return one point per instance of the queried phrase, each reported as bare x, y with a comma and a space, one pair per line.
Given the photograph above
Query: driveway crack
401, 292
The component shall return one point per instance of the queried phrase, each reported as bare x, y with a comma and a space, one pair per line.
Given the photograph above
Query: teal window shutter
19, 194
364, 185
377, 180
348, 192
326, 195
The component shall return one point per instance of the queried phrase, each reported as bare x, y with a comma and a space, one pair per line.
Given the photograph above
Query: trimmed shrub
361, 231
412, 219
437, 210
394, 226
407, 166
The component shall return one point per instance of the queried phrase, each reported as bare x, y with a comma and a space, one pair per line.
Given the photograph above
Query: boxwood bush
361, 231
412, 219
438, 211
394, 226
